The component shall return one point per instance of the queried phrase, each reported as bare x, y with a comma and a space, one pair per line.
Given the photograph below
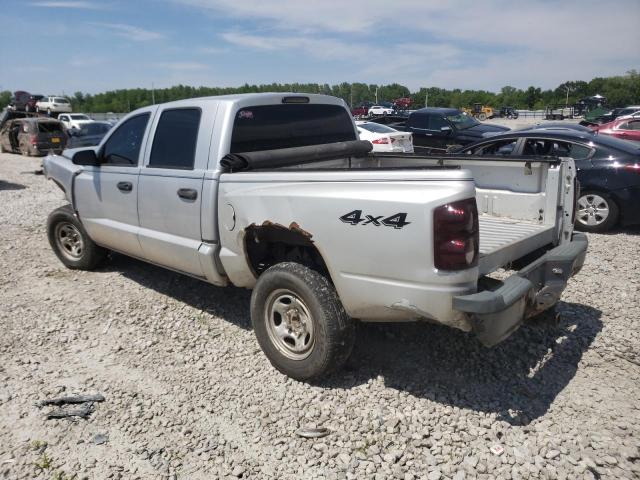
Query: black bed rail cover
287, 157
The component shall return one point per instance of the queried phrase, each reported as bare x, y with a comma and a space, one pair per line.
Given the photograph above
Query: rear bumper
496, 313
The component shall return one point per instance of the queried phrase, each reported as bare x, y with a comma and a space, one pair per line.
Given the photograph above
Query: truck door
170, 192
439, 138
106, 196
417, 124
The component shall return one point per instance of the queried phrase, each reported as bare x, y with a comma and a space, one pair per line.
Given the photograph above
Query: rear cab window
273, 127
49, 127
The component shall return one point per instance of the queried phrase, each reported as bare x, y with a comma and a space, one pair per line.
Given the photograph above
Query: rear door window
272, 127
174, 143
555, 148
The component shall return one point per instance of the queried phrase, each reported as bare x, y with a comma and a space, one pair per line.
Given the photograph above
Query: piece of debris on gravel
191, 396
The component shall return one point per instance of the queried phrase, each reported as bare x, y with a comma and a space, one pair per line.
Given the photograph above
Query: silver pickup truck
275, 192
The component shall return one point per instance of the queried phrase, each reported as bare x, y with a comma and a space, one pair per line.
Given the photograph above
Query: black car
442, 128
89, 135
608, 170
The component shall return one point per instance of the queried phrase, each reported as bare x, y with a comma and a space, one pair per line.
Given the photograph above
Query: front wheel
300, 322
597, 212
71, 243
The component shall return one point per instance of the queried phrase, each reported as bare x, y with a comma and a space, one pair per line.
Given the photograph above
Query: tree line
620, 91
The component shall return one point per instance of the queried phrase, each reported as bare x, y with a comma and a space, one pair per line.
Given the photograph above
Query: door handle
188, 193
125, 186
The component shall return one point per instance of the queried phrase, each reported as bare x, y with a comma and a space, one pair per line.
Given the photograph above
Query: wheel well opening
269, 244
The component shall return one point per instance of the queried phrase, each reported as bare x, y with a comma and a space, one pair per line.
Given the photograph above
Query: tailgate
523, 203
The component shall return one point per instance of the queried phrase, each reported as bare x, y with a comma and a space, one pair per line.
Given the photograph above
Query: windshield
376, 128
272, 127
462, 121
79, 117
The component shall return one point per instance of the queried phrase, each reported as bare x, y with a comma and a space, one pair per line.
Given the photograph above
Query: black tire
610, 221
332, 330
85, 257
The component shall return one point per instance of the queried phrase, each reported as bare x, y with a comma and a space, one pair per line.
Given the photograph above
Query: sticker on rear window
248, 114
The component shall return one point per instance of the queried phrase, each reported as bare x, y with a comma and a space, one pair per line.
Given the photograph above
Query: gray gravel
189, 394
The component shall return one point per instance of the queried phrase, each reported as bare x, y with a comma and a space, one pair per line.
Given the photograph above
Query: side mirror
86, 157
445, 130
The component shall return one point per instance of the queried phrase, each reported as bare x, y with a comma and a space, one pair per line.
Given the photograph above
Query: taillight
34, 139
632, 168
456, 235
381, 141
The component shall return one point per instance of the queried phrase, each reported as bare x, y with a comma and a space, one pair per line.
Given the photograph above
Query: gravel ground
189, 394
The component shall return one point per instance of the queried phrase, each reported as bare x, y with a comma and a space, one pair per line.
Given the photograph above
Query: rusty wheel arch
271, 243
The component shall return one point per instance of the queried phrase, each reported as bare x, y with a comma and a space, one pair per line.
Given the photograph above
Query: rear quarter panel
380, 272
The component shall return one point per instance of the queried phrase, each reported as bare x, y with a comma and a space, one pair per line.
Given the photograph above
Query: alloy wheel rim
593, 210
289, 324
69, 240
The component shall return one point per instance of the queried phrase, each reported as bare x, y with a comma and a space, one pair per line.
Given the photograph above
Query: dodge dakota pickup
274, 192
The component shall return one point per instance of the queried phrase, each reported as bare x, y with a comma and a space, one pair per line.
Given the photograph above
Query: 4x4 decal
397, 221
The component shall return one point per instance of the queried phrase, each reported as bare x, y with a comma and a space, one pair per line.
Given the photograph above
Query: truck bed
503, 240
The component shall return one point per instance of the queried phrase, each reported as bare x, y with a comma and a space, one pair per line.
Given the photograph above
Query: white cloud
454, 40
129, 32
69, 4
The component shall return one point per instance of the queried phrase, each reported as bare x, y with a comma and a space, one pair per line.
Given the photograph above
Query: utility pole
566, 102
376, 95
426, 98
351, 97
153, 94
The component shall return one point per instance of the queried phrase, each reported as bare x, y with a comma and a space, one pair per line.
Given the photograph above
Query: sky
64, 46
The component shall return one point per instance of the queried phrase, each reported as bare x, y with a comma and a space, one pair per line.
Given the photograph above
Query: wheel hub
69, 240
289, 324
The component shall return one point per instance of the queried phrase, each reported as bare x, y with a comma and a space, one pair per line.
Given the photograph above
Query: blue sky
62, 46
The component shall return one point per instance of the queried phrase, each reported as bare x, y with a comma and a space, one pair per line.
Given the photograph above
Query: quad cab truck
275, 193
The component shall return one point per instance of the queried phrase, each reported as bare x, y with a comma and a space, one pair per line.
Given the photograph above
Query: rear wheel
597, 212
482, 117
300, 322
70, 241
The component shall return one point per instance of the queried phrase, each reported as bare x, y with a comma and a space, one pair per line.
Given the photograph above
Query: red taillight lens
34, 139
381, 141
632, 168
456, 235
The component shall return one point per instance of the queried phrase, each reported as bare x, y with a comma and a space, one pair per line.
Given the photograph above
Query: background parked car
442, 128
380, 110
53, 105
384, 138
594, 118
608, 170
74, 120
624, 128
19, 100
88, 135
32, 136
